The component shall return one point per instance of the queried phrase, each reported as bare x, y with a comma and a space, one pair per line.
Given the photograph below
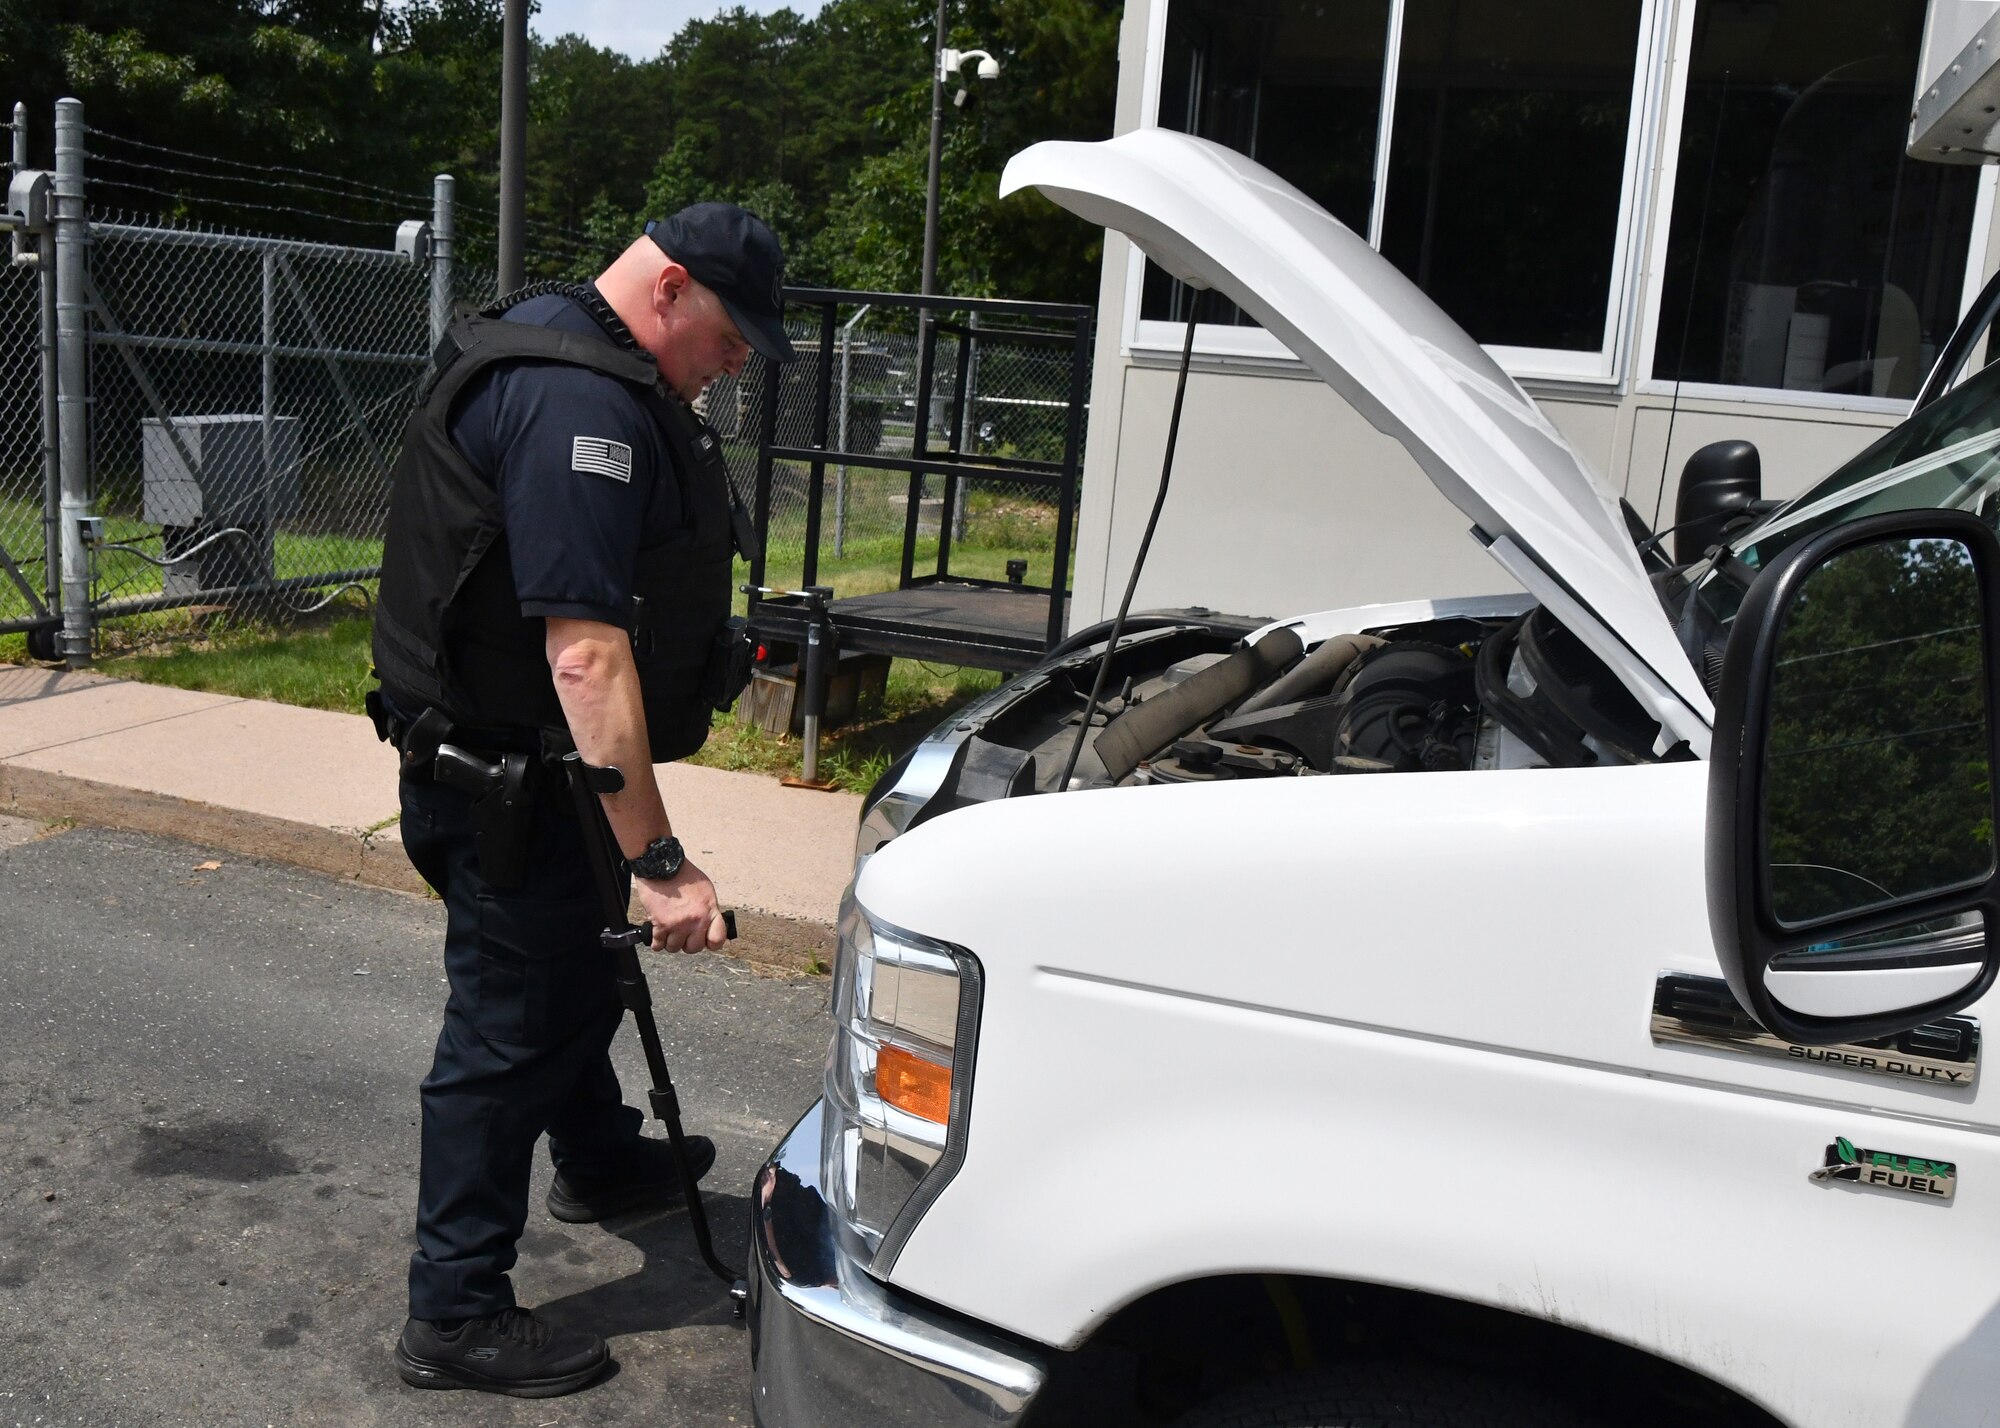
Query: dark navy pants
524, 1049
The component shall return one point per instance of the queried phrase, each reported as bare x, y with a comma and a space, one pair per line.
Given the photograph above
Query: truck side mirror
1852, 884
1721, 481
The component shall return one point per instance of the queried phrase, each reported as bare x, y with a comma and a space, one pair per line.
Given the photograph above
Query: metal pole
19, 161
45, 278
937, 156
72, 376
840, 479
443, 246
926, 337
822, 398
44, 260
949, 521
767, 437
513, 144
920, 441
265, 539
968, 432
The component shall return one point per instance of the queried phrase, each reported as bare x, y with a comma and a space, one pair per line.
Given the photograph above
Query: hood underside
1214, 218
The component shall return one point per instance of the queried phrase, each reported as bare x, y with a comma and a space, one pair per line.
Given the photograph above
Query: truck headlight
898, 1080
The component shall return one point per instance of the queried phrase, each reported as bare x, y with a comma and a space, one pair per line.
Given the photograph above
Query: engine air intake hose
1312, 675
1150, 727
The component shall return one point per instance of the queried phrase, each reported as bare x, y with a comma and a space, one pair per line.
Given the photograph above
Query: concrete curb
33, 793
769, 941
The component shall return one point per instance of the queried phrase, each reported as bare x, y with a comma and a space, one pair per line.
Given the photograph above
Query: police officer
556, 575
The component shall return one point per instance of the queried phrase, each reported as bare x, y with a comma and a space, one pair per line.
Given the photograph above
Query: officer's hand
683, 910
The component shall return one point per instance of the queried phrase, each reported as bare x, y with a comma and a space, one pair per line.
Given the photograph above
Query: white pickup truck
1552, 1009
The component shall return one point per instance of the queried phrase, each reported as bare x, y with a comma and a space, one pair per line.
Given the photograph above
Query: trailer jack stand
815, 676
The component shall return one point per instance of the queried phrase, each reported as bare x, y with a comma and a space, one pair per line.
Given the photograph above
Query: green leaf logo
1846, 1148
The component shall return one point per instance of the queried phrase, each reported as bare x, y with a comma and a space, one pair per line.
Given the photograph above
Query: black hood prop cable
1138, 564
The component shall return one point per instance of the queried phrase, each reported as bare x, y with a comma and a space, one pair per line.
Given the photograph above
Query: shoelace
521, 1326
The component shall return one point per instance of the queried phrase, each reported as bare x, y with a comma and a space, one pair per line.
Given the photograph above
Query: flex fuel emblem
1911, 1174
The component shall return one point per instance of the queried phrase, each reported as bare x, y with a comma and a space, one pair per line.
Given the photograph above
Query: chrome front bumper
833, 1348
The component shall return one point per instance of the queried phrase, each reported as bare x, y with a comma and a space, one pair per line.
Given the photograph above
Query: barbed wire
282, 185
180, 197
257, 167
375, 193
563, 248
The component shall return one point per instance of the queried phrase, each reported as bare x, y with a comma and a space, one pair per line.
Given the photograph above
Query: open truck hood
1214, 218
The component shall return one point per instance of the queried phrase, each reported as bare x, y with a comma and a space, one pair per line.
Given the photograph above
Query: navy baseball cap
729, 251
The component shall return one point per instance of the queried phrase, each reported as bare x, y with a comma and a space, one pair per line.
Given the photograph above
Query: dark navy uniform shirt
581, 468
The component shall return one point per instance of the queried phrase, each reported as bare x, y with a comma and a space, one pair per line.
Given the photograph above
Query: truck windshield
1945, 457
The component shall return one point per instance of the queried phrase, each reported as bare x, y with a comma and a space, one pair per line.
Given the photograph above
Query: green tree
821, 125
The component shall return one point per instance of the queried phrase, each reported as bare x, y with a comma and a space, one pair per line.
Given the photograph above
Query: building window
1506, 173
1507, 169
1806, 250
1296, 87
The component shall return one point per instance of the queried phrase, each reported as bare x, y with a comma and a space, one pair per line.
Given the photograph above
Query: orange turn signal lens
910, 1083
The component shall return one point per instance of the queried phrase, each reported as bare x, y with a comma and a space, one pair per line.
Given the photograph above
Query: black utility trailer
933, 613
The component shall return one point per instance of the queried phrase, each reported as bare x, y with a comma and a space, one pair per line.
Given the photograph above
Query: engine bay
1199, 702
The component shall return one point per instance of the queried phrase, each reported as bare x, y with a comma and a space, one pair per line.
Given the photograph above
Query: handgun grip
455, 768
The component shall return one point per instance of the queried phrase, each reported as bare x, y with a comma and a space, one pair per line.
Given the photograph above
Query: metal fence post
846, 394
18, 160
442, 243
968, 433
268, 382
44, 261
840, 475
72, 377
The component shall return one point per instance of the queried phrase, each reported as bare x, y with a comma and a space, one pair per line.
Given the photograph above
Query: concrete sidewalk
317, 790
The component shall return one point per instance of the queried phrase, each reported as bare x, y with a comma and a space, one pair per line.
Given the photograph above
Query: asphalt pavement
208, 1151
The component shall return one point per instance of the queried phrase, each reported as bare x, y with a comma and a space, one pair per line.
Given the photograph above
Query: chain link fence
232, 406
1001, 387
26, 569
229, 409
248, 396
247, 401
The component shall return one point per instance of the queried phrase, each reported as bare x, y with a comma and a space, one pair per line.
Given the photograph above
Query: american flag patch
601, 457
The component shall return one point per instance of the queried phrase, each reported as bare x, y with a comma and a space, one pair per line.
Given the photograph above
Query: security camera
989, 68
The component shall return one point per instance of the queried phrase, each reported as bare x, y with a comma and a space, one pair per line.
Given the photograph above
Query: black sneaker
510, 1352
653, 1182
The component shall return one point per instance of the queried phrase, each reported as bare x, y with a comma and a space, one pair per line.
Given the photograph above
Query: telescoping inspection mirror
1851, 804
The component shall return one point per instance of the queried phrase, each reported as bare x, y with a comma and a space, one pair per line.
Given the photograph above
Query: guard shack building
1673, 221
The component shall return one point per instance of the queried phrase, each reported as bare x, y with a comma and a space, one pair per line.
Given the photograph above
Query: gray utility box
231, 483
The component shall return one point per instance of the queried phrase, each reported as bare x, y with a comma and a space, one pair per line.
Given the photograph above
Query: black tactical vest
448, 625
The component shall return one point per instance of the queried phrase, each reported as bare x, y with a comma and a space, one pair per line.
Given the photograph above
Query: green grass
320, 664
121, 574
321, 660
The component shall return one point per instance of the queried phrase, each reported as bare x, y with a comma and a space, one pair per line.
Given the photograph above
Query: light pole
513, 145
949, 62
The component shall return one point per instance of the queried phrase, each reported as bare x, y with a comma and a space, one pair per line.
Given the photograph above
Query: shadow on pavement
673, 1288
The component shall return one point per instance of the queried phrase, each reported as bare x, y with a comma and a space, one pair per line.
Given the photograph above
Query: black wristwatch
662, 859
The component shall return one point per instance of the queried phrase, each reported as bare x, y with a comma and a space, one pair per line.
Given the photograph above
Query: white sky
639, 28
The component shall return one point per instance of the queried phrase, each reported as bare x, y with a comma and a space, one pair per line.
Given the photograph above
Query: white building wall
1283, 499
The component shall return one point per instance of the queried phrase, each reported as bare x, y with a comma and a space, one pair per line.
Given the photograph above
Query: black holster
503, 822
503, 809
